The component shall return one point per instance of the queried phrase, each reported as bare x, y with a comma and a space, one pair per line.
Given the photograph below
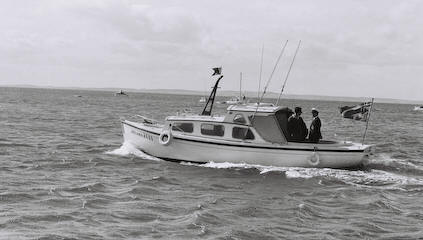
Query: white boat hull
194, 149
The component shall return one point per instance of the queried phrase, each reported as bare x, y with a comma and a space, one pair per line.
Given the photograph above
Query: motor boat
418, 108
232, 100
357, 112
251, 134
121, 93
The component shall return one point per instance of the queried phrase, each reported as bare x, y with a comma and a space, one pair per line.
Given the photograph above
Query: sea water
67, 174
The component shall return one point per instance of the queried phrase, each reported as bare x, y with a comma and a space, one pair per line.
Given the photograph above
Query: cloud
151, 43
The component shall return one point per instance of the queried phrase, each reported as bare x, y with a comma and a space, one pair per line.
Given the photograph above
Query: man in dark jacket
315, 134
297, 129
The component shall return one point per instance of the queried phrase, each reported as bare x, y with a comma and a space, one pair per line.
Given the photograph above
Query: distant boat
236, 100
232, 101
418, 108
121, 93
357, 112
202, 100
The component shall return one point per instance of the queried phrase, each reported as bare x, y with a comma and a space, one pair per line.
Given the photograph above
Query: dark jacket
297, 129
315, 134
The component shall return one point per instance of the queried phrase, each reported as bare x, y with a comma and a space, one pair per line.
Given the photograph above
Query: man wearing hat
297, 129
315, 135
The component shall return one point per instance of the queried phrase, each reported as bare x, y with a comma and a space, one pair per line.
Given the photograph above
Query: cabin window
183, 127
242, 133
212, 129
239, 118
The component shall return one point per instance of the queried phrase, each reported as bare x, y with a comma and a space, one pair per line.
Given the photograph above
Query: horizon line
199, 92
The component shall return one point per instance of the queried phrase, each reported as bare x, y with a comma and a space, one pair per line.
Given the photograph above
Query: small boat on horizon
241, 99
418, 108
121, 93
202, 100
233, 101
247, 133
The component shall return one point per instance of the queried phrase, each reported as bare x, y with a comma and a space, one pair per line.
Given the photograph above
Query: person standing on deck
297, 129
315, 135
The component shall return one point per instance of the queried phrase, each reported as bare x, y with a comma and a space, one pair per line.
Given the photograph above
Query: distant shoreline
248, 94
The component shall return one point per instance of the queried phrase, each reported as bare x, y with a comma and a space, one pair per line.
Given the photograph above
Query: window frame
209, 132
181, 129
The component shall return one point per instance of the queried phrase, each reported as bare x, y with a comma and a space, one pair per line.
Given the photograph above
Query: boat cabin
241, 123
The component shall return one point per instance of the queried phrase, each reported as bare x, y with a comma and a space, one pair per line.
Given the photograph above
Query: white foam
261, 168
227, 165
371, 178
128, 149
388, 160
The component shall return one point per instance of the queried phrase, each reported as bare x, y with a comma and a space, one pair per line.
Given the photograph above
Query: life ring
165, 138
314, 160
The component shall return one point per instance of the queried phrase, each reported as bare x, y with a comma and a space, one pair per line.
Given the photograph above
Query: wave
128, 149
15, 145
85, 188
15, 197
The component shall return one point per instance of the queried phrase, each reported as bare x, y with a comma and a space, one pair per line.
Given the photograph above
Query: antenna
261, 68
270, 78
240, 82
287, 74
268, 81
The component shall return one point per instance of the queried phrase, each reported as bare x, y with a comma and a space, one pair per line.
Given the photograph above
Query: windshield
268, 128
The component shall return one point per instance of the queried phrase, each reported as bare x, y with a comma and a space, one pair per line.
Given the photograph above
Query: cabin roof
263, 108
196, 118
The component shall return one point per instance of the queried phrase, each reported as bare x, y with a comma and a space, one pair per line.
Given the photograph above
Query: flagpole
367, 122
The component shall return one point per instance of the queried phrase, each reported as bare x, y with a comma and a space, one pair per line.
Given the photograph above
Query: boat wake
368, 177
128, 149
382, 171
386, 162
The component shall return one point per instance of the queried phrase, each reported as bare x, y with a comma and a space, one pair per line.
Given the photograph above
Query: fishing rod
267, 84
270, 78
367, 122
240, 85
261, 69
287, 74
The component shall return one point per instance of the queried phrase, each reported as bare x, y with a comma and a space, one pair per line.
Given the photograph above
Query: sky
353, 48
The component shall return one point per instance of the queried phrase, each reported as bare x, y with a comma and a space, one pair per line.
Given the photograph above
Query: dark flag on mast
217, 71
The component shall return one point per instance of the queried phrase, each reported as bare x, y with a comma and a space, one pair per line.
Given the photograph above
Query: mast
211, 99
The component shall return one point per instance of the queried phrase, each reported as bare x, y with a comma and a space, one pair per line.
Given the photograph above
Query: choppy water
65, 174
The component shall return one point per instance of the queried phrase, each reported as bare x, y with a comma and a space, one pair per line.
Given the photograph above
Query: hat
314, 110
298, 110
